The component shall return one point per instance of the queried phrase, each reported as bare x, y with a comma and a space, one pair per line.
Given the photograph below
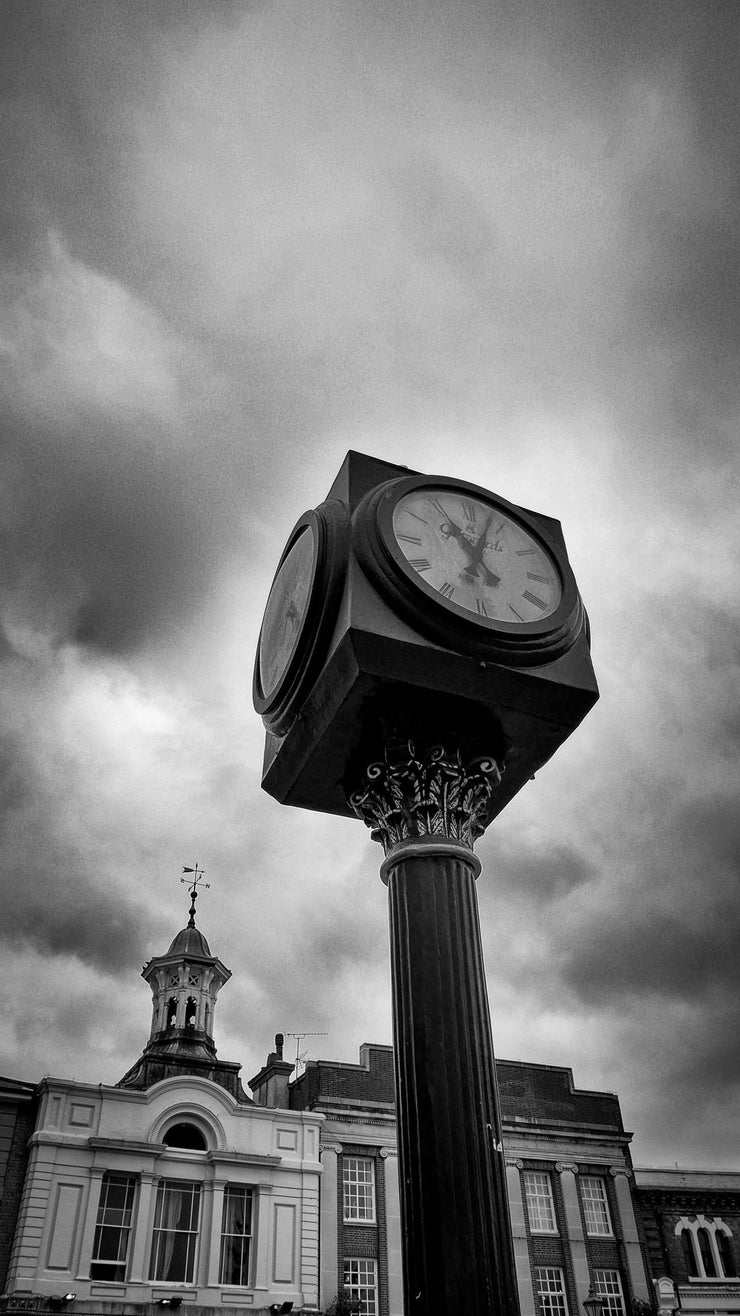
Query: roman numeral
416, 539
408, 512
480, 605
544, 580
516, 614
419, 563
532, 598
436, 504
447, 590
468, 510
525, 552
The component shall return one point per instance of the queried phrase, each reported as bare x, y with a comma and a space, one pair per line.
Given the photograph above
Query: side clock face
286, 611
474, 555
299, 614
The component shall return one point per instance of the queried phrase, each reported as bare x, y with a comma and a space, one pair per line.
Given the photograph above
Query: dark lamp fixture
281, 1307
592, 1305
58, 1301
170, 1302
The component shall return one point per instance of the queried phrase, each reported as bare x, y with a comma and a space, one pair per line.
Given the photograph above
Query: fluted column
426, 807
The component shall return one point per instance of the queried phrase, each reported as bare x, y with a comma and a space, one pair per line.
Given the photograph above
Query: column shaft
458, 1253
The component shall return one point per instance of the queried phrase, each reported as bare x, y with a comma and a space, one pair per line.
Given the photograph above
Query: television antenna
299, 1037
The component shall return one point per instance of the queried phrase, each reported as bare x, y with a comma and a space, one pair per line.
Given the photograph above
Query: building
175, 1186
691, 1222
17, 1121
569, 1176
172, 1186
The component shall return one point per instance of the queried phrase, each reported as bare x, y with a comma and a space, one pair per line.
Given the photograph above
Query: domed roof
190, 941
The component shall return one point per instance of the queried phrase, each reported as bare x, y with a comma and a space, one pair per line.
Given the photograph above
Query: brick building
691, 1222
569, 1177
18, 1105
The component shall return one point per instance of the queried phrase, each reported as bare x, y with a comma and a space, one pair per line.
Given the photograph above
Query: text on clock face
473, 554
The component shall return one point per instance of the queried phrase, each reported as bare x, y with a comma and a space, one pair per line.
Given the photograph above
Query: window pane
361, 1284
608, 1285
705, 1247
595, 1208
236, 1231
113, 1227
550, 1291
725, 1252
175, 1233
540, 1208
358, 1180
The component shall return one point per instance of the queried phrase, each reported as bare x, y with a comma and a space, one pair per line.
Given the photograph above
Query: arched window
724, 1248
171, 1012
184, 1135
687, 1242
191, 1010
705, 1247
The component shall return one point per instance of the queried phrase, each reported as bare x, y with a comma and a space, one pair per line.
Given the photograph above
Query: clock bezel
329, 527
518, 643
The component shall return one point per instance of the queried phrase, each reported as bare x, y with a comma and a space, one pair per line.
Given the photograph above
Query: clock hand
474, 551
476, 557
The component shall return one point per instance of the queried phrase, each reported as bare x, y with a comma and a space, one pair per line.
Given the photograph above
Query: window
113, 1227
358, 1185
595, 1206
608, 1285
725, 1254
236, 1235
550, 1291
706, 1247
175, 1235
184, 1135
361, 1284
540, 1208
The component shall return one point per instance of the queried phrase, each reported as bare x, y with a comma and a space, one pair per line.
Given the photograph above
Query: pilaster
630, 1235
519, 1236
574, 1228
329, 1152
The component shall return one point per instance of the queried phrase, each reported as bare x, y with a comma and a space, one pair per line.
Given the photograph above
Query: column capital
566, 1165
335, 1147
616, 1170
433, 791
515, 1163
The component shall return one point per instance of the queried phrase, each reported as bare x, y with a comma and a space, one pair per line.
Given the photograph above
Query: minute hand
476, 557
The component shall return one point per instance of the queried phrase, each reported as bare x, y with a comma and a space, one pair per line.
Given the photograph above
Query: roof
190, 941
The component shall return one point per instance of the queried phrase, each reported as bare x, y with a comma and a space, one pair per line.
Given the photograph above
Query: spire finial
197, 880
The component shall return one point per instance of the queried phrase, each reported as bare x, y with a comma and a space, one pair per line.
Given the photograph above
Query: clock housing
391, 658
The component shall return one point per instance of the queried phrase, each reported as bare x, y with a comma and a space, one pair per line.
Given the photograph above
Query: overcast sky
476, 237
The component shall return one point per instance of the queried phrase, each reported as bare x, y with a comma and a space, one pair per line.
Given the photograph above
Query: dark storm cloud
55, 908
107, 543
278, 227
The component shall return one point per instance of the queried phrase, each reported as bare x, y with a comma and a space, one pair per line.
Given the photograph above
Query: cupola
185, 983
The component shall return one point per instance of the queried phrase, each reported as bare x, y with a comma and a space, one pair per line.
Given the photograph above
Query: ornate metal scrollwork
428, 792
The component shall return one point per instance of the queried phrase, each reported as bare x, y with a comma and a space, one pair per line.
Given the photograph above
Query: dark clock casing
381, 671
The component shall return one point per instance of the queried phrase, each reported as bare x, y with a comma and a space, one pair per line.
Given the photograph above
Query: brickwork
365, 1240
546, 1092
17, 1119
662, 1211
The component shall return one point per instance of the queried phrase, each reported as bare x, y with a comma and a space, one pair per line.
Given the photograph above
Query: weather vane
194, 882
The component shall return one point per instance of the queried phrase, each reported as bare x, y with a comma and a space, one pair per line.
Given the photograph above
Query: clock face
286, 611
475, 556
